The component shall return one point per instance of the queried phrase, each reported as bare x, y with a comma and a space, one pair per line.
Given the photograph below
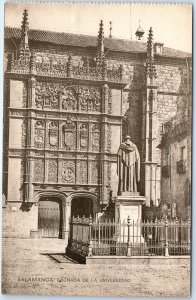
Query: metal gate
50, 218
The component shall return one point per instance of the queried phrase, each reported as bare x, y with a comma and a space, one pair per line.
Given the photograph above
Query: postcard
97, 141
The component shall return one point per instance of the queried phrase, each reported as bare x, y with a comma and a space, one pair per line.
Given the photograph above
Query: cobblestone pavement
29, 270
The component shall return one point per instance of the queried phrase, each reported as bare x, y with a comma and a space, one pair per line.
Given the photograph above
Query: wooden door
50, 218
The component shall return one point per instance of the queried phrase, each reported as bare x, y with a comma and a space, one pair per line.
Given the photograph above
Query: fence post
166, 237
90, 248
99, 232
128, 237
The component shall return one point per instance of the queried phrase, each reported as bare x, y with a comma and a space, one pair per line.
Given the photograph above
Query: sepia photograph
97, 149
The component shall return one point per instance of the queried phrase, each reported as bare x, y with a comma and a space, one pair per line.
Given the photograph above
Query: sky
171, 23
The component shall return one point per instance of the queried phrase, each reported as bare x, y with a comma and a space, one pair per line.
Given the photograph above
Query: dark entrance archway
81, 206
50, 217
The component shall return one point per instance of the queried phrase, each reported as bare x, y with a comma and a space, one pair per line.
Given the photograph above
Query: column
66, 217
29, 193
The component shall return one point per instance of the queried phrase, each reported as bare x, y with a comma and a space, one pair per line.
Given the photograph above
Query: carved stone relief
39, 170
84, 136
95, 137
82, 172
68, 172
39, 134
53, 135
69, 135
94, 172
69, 99
46, 95
90, 99
52, 170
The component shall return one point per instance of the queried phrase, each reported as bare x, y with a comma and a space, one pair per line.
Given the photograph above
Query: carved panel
47, 95
94, 172
84, 136
39, 134
69, 99
82, 172
53, 135
68, 172
39, 170
52, 170
90, 99
69, 135
95, 137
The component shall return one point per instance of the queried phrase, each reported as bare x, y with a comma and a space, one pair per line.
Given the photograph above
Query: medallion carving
84, 136
53, 135
69, 135
39, 134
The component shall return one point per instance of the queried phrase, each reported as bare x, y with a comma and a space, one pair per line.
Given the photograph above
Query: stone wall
17, 221
176, 187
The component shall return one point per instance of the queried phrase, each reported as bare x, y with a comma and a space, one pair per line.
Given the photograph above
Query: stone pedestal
130, 205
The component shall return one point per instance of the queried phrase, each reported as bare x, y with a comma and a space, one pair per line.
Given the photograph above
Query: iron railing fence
129, 238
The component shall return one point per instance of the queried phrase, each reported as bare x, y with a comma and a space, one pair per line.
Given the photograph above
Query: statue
128, 166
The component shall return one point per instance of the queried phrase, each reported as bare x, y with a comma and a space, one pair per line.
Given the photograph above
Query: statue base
129, 204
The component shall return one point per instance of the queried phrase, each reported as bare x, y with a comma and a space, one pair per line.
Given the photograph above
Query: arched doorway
81, 206
50, 217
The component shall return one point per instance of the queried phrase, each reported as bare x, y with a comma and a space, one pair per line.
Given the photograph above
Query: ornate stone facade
67, 108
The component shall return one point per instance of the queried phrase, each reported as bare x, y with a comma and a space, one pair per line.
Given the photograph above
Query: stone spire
150, 64
24, 51
100, 45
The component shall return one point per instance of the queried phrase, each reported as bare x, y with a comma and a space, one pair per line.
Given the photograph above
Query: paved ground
29, 269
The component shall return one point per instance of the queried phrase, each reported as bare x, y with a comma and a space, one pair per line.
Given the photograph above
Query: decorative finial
24, 51
100, 45
139, 32
150, 44
150, 64
110, 36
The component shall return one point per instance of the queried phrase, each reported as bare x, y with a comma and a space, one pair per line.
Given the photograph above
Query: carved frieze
68, 172
39, 134
52, 170
39, 170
